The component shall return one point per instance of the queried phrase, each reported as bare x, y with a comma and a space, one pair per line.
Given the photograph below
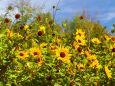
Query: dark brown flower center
81, 17
51, 22
6, 20
21, 54
53, 48
62, 54
39, 18
95, 42
113, 50
44, 46
113, 38
40, 33
79, 34
72, 83
81, 67
35, 53
79, 41
38, 59
79, 49
17, 16
53, 34
21, 27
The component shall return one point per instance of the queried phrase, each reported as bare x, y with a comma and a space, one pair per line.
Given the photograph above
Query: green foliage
38, 53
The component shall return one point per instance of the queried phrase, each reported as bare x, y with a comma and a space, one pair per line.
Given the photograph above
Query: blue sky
102, 10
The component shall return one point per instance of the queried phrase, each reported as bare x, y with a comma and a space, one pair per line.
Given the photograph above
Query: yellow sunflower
41, 30
79, 49
87, 54
92, 58
26, 27
43, 45
107, 38
22, 54
39, 61
113, 39
35, 52
34, 43
95, 41
63, 54
80, 33
80, 66
53, 49
113, 48
95, 64
80, 41
9, 33
108, 72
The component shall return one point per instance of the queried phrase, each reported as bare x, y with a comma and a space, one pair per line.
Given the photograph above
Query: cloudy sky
101, 10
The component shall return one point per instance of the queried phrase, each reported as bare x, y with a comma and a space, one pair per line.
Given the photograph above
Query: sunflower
34, 43
39, 61
87, 54
79, 49
80, 41
22, 54
17, 16
26, 27
80, 66
53, 49
35, 52
41, 30
7, 20
92, 58
107, 38
95, 64
80, 33
95, 41
113, 48
63, 54
9, 33
71, 71
113, 38
108, 72
43, 45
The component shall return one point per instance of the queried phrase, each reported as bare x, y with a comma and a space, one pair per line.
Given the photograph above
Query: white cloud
107, 16
46, 5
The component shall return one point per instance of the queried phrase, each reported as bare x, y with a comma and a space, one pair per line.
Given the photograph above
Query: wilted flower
17, 16
39, 18
6, 20
81, 17
10, 7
